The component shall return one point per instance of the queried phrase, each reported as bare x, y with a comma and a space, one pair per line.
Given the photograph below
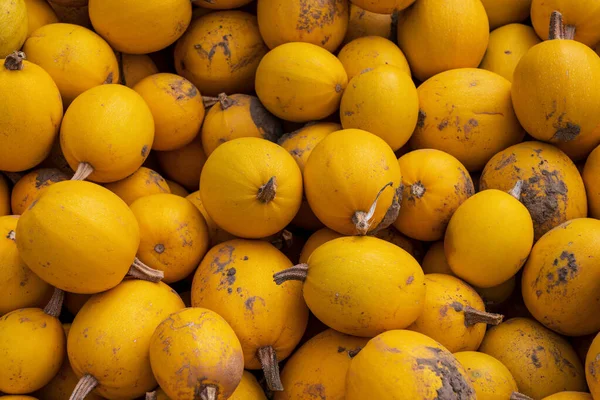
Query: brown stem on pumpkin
362, 219
391, 214
474, 316
569, 32
14, 61
209, 101
151, 395
209, 392
83, 171
519, 396
517, 190
270, 366
266, 192
557, 30
295, 273
225, 101
139, 270
54, 306
86, 384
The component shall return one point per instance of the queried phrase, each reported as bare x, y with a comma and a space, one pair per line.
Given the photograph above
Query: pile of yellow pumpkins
300, 199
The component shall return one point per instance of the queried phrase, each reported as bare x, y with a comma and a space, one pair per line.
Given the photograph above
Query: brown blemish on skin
249, 303
341, 349
443, 124
421, 119
47, 176
224, 44
456, 306
109, 79
222, 259
468, 127
505, 161
410, 280
445, 367
444, 310
507, 52
269, 126
145, 150
315, 15
566, 132
565, 272
155, 179
315, 391
534, 357
354, 352
230, 276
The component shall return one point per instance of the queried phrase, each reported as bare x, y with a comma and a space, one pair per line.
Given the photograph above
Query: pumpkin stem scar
517, 190
268, 361
54, 306
225, 101
266, 192
151, 395
12, 235
361, 219
417, 189
159, 248
391, 214
86, 384
519, 396
208, 393
296, 273
139, 270
14, 61
83, 171
474, 316
557, 29
209, 101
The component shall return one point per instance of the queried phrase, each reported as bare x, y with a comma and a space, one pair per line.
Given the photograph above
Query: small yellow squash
383, 6
183, 165
489, 377
13, 26
39, 13
143, 182
27, 188
135, 67
366, 23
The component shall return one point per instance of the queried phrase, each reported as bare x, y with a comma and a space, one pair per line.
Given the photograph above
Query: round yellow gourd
39, 13
489, 377
29, 186
112, 334
435, 185
235, 280
406, 365
76, 58
318, 369
216, 234
248, 389
440, 35
468, 114
177, 109
435, 261
488, 238
183, 165
383, 101
315, 240
592, 185
412, 246
174, 235
300, 82
236, 116
504, 12
92, 139
247, 198
542, 362
13, 26
177, 189
21, 287
301, 142
220, 52
348, 173
366, 23
322, 23
29, 123
186, 335
143, 182
581, 16
140, 26
495, 295
383, 6
507, 45
78, 237
370, 52
136, 67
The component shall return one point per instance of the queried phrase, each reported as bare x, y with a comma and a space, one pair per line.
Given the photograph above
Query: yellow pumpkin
406, 365
21, 287
318, 368
5, 196
29, 123
39, 13
234, 280
489, 377
454, 314
91, 134
143, 182
220, 4
32, 345
216, 234
590, 174
315, 240
558, 283
177, 109
322, 23
177, 189
236, 116
370, 52
186, 335
488, 238
552, 191
541, 361
435, 185
347, 279
439, 35
135, 67
412, 246
366, 23
28, 187
250, 199
174, 235
495, 295
112, 334
301, 142
551, 104
581, 16
140, 26
13, 26
75, 57
466, 113
383, 6
346, 181
248, 389
220, 52
183, 165
504, 12
78, 237
300, 82
382, 101
569, 396
507, 45
435, 261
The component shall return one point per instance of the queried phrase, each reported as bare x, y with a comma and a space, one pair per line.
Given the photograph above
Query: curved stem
296, 273
209, 392
141, 271
209, 101
266, 192
151, 395
516, 190
225, 101
268, 361
361, 219
474, 316
86, 384
556, 26
83, 171
392, 213
569, 31
519, 396
54, 306
14, 61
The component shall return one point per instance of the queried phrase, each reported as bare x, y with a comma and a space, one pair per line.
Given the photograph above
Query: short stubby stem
270, 366
267, 192
225, 101
474, 316
83, 171
209, 101
556, 26
139, 270
296, 273
54, 306
209, 392
86, 384
14, 61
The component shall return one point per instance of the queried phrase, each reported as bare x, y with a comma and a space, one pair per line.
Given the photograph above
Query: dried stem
296, 273
266, 192
557, 30
83, 171
517, 190
209, 392
151, 395
54, 306
569, 31
268, 361
14, 61
283, 240
362, 220
391, 214
209, 101
86, 384
225, 101
139, 270
519, 396
474, 316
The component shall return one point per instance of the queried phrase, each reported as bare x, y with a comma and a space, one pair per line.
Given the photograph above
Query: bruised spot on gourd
444, 366
154, 179
565, 131
506, 161
249, 303
268, 125
564, 273
535, 360
561, 362
109, 78
468, 187
410, 280
223, 258
443, 124
544, 206
311, 17
468, 127
315, 391
11, 236
46, 175
144, 150
421, 118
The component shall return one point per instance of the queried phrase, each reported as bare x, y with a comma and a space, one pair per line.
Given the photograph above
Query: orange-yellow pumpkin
590, 174
217, 235
580, 16
28, 187
490, 378
504, 12
366, 23
435, 261
569, 395
248, 389
177, 189
143, 182
592, 366
183, 165
39, 13
383, 6
301, 142
136, 67
315, 240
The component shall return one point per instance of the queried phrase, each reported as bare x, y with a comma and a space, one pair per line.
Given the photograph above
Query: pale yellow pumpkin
301, 142
183, 165
143, 182
136, 67
366, 23
39, 13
